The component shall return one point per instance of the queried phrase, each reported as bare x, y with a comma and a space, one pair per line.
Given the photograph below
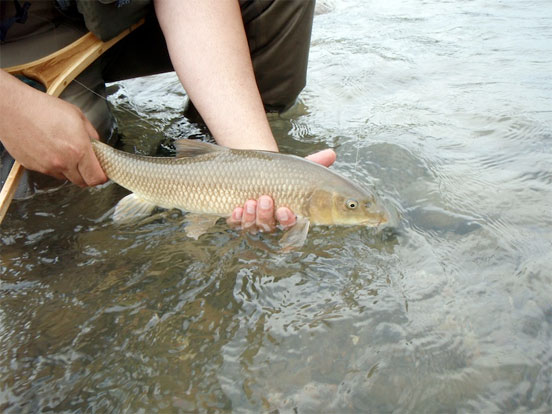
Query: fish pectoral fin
295, 237
198, 224
131, 208
192, 148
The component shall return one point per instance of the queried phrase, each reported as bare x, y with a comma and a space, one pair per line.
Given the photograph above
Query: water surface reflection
445, 109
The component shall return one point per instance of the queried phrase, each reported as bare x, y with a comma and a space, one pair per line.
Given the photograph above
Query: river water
444, 107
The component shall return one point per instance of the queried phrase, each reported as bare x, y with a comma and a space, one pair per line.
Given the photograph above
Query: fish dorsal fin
192, 148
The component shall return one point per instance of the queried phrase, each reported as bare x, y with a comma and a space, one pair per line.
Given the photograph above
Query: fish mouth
377, 222
380, 221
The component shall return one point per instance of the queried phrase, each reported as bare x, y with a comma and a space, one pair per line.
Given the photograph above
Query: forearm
209, 51
16, 113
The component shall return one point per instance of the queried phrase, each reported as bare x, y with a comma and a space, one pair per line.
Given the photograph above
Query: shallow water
444, 107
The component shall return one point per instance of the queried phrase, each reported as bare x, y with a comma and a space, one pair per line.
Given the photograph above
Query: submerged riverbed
444, 107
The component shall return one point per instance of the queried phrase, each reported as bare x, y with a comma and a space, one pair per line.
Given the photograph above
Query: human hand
47, 134
260, 215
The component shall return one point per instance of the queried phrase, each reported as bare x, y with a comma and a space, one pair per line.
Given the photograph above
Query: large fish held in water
210, 181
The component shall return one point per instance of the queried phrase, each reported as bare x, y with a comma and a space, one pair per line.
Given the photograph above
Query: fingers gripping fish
211, 181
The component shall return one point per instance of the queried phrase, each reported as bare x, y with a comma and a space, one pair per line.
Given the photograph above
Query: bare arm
209, 51
47, 134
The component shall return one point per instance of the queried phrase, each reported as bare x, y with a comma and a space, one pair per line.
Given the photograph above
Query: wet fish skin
209, 179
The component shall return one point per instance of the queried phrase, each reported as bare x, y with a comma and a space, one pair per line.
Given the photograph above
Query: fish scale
209, 179
214, 183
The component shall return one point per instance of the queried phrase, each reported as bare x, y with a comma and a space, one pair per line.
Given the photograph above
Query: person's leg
279, 32
142, 53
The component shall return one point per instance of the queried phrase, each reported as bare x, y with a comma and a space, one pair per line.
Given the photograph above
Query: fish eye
351, 204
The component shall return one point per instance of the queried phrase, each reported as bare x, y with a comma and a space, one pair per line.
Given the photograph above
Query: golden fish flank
208, 179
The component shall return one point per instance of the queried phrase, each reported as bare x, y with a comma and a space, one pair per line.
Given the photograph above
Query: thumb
325, 157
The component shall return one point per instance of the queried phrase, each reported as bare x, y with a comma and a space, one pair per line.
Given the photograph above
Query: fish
209, 181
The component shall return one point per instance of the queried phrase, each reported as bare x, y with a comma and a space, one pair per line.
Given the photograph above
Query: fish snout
380, 217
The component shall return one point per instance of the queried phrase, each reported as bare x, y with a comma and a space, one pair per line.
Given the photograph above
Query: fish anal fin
192, 148
295, 237
131, 208
199, 224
